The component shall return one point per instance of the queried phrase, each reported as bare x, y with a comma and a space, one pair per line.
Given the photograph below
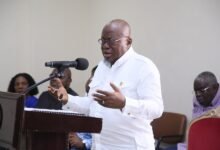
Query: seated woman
19, 83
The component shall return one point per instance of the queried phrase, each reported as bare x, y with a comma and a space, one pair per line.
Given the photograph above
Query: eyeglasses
202, 91
110, 41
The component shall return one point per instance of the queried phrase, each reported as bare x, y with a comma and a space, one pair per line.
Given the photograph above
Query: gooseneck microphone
79, 64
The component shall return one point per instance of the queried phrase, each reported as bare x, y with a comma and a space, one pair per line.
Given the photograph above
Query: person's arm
86, 140
77, 104
76, 141
72, 103
150, 103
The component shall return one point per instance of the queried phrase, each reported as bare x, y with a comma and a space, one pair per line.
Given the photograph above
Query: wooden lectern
42, 129
11, 116
48, 129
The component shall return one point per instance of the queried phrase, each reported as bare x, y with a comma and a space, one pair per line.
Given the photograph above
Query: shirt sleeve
149, 104
77, 104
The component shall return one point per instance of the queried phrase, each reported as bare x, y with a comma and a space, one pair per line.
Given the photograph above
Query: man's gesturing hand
59, 92
113, 99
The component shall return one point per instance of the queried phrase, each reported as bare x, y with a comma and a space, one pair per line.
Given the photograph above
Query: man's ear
129, 41
216, 85
70, 80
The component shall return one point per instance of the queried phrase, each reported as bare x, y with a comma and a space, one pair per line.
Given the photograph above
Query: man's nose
105, 44
198, 93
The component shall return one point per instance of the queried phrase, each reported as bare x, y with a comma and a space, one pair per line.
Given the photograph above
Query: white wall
181, 37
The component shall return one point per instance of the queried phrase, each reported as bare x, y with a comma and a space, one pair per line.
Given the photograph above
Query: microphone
79, 64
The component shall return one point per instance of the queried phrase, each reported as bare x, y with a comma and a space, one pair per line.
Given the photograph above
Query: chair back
170, 127
204, 132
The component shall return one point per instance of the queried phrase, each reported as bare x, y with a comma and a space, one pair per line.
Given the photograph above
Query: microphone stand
58, 74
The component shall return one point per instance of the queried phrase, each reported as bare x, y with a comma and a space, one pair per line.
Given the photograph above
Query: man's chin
110, 60
107, 59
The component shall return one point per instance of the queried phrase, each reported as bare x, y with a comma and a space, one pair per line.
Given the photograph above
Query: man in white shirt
125, 92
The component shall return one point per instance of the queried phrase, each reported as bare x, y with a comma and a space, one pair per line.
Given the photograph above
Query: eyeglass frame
110, 41
202, 91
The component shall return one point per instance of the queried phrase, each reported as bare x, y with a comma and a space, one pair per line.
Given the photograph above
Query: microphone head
82, 64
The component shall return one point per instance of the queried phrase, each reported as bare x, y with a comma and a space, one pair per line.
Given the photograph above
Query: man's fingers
60, 97
98, 98
115, 88
100, 92
55, 93
50, 89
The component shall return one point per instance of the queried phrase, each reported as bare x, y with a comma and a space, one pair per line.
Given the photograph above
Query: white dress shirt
129, 129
